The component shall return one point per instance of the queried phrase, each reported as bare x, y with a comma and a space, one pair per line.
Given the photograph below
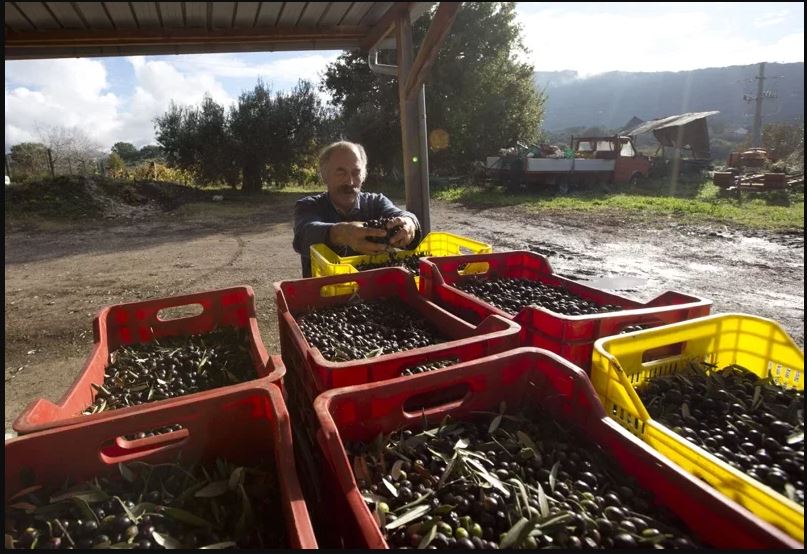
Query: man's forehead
344, 158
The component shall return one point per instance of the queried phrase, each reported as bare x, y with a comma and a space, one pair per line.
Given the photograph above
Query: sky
117, 99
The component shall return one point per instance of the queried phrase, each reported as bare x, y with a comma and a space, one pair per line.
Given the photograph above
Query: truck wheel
637, 179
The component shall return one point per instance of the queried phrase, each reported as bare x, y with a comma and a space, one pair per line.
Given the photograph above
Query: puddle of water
622, 283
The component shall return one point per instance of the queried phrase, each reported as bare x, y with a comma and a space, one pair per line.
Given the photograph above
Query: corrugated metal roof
72, 29
671, 121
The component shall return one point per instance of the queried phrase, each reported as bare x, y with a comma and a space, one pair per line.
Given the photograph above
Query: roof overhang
36, 30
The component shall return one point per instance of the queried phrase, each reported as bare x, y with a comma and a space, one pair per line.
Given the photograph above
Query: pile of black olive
152, 507
366, 329
506, 481
411, 262
430, 366
171, 367
632, 328
749, 423
381, 223
511, 295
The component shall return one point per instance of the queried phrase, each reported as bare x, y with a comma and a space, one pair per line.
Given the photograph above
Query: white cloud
596, 42
67, 93
75, 92
771, 19
282, 73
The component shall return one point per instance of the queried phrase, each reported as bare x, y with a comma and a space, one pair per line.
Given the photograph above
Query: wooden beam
174, 37
435, 36
385, 25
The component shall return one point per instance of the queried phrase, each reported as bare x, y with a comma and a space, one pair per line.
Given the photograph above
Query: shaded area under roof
77, 29
686, 131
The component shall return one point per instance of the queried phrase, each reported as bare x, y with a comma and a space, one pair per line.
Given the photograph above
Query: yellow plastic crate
325, 261
757, 344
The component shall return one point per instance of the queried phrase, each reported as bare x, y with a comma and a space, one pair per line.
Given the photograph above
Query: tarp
683, 131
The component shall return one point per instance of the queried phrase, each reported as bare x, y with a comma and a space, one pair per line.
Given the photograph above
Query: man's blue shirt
315, 215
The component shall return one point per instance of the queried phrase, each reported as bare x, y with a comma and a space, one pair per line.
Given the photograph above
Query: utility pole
756, 133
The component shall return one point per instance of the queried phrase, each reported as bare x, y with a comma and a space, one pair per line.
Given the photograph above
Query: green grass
694, 202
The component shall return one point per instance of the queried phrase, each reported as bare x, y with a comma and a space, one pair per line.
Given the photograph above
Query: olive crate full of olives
159, 349
555, 313
325, 261
225, 480
721, 396
379, 331
511, 450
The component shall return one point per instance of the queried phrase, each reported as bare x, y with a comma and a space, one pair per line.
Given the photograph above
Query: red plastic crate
240, 425
493, 335
139, 322
524, 376
571, 336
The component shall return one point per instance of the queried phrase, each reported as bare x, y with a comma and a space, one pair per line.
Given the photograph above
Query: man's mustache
348, 189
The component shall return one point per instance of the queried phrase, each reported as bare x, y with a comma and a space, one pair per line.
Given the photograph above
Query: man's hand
405, 234
354, 235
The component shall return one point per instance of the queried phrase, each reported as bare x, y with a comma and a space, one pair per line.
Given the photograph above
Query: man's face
343, 177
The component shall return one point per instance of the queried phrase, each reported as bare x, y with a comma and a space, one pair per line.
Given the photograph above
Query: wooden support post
410, 135
50, 163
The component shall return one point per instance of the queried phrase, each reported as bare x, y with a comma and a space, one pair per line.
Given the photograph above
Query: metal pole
756, 137
424, 217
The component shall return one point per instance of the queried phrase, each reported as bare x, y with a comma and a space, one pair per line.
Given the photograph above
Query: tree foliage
126, 151
263, 138
29, 160
478, 93
783, 139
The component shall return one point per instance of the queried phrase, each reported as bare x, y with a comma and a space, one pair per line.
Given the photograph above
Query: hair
358, 149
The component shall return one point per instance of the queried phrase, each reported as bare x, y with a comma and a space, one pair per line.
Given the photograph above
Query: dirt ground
57, 278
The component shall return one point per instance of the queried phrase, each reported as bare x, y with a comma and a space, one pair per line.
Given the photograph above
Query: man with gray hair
336, 217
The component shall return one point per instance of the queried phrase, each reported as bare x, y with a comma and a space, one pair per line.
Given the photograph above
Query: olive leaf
685, 410
126, 473
395, 472
514, 534
360, 468
185, 516
553, 476
390, 487
245, 519
449, 468
219, 545
142, 508
495, 424
216, 488
85, 495
525, 440
485, 474
86, 511
374, 353
523, 490
411, 515
755, 402
236, 478
795, 438
166, 541
23, 492
428, 538
25, 506
790, 491
542, 502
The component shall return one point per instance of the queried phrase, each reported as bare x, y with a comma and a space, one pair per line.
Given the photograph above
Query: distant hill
611, 99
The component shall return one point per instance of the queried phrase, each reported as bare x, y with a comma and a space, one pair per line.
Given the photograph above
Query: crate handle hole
122, 449
440, 400
180, 312
473, 268
666, 351
339, 290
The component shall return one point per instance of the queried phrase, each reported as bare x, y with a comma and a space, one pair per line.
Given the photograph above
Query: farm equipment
590, 160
